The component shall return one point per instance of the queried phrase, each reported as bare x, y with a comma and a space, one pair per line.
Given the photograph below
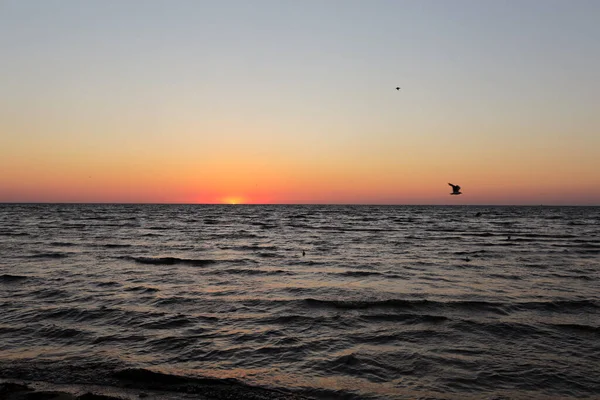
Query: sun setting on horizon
233, 200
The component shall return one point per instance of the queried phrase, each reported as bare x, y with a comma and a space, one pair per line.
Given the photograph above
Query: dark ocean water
388, 302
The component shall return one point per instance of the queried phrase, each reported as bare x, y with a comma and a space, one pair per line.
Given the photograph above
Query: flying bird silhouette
455, 189
398, 88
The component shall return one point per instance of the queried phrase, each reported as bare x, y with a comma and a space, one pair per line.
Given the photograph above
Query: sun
232, 200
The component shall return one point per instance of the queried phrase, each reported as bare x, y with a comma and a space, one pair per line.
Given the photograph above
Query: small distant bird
398, 88
455, 189
478, 214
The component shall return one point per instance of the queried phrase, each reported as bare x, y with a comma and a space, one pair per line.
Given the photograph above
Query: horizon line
300, 204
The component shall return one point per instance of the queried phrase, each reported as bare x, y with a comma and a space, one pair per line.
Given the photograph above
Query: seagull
455, 189
398, 88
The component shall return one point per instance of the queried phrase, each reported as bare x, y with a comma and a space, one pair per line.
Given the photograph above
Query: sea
324, 301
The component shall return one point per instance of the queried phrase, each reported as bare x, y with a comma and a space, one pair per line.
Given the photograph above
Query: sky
279, 101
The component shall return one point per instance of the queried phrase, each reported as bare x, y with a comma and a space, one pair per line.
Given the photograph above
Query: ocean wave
214, 388
174, 343
557, 381
499, 308
407, 318
108, 284
167, 301
169, 322
75, 226
332, 393
482, 234
99, 218
120, 225
264, 225
11, 233
506, 276
142, 289
358, 274
80, 314
242, 234
469, 253
119, 339
565, 276
341, 229
159, 380
109, 378
309, 262
358, 304
8, 278
50, 293
169, 261
545, 235
586, 251
299, 216
584, 246
5, 329
109, 316
249, 271
265, 254
499, 329
304, 320
63, 244
362, 365
586, 241
249, 247
58, 332
578, 328
48, 255
555, 305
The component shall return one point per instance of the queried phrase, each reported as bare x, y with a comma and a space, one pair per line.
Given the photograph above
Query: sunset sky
294, 101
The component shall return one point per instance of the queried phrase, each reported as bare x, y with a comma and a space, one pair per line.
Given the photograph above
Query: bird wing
455, 188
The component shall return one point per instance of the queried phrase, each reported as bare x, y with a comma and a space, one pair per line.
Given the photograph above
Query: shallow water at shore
388, 302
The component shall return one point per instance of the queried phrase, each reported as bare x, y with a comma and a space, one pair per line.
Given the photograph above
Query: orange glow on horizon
233, 200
